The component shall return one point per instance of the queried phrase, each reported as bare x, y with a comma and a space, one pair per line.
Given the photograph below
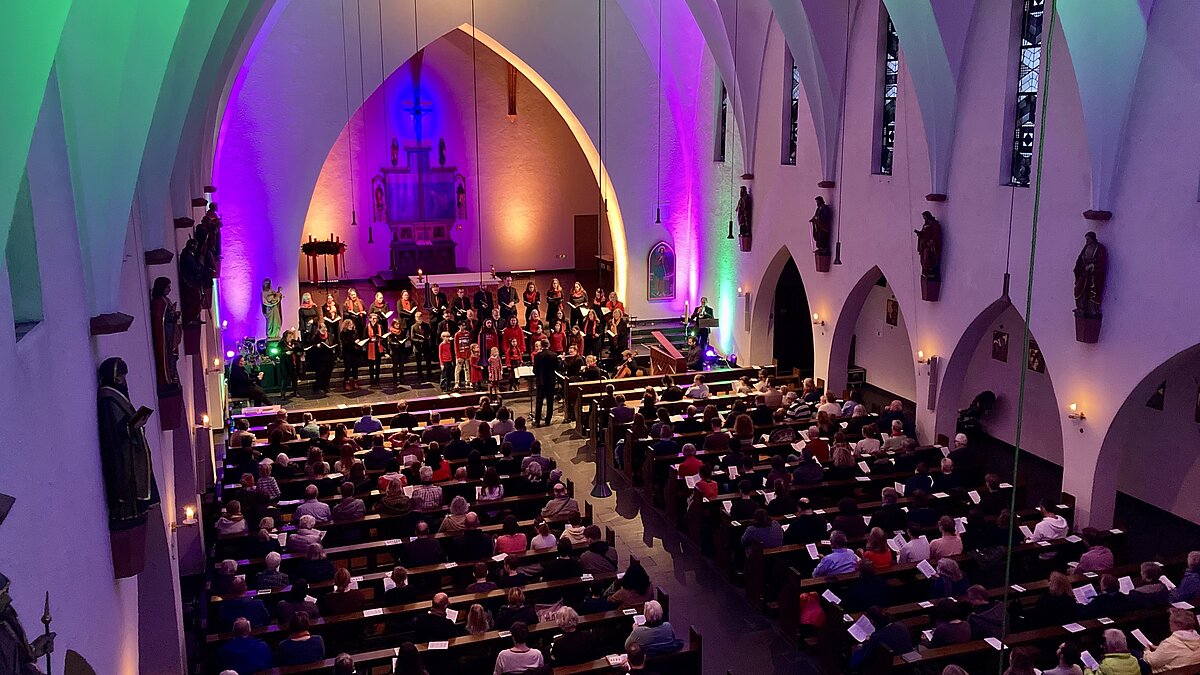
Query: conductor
545, 367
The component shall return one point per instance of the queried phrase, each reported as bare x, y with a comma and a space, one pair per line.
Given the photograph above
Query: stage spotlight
230, 354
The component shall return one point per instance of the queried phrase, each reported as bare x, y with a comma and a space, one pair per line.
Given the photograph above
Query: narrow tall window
791, 107
887, 99
1030, 47
24, 275
722, 121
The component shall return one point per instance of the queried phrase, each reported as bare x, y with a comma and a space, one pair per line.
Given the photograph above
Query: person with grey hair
895, 439
313, 506
316, 566
237, 605
455, 522
1117, 659
226, 572
572, 647
306, 534
1188, 589
271, 577
426, 496
1181, 648
840, 560
244, 654
343, 664
655, 636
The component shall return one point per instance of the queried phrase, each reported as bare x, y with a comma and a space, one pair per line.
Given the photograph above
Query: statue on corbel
822, 235
1091, 270
745, 216
929, 249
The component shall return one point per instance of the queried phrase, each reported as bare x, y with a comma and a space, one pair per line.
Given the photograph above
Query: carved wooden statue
128, 473
745, 218
1091, 270
929, 249
822, 228
165, 334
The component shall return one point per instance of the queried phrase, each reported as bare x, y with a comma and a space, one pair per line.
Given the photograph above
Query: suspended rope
841, 132
658, 128
478, 159
728, 103
1037, 201
384, 106
349, 143
600, 43
837, 249
362, 90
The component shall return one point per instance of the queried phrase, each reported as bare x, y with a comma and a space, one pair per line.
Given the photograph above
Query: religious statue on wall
460, 197
929, 249
191, 278
165, 334
745, 218
660, 284
822, 234
441, 152
272, 308
128, 473
395, 152
1091, 269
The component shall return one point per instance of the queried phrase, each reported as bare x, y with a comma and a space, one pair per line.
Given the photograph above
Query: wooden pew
798, 583
574, 390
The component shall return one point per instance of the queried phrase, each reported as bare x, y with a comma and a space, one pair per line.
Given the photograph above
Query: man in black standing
545, 366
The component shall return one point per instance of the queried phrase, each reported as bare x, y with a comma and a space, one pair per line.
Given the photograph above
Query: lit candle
189, 514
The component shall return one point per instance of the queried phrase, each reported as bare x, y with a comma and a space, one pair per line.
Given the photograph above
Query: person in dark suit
402, 593
425, 550
702, 311
545, 368
473, 543
695, 354
239, 606
433, 626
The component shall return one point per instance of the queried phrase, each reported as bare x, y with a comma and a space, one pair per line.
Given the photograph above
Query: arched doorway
989, 356
792, 335
871, 349
1149, 453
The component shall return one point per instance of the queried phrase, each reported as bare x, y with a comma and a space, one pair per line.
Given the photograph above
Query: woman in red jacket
513, 332
558, 338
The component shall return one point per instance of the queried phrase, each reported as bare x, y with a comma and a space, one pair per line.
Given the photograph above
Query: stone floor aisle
737, 638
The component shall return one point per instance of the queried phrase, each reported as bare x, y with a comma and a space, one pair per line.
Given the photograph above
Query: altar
468, 280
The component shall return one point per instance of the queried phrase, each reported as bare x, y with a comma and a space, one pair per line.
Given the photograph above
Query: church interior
600, 336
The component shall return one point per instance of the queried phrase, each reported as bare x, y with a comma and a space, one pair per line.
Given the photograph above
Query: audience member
301, 646
655, 636
245, 654
520, 657
1179, 649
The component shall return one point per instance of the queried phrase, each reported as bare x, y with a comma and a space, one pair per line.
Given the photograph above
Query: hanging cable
349, 144
658, 128
1037, 202
729, 104
384, 106
600, 138
837, 249
478, 159
362, 90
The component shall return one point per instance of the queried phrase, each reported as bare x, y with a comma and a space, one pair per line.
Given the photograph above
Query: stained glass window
887, 115
791, 108
1030, 47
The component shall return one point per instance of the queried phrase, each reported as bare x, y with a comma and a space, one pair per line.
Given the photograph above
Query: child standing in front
495, 371
446, 358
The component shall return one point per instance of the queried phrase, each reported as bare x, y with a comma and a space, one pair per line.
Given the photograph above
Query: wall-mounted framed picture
1037, 362
660, 272
1000, 345
892, 314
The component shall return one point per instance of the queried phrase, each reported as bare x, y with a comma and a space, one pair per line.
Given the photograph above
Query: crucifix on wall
417, 107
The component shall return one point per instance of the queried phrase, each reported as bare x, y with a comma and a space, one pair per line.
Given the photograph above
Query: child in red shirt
462, 356
446, 358
477, 367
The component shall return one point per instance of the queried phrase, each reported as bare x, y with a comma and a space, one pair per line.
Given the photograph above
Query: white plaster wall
532, 175
1150, 238
56, 537
1041, 433
883, 349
